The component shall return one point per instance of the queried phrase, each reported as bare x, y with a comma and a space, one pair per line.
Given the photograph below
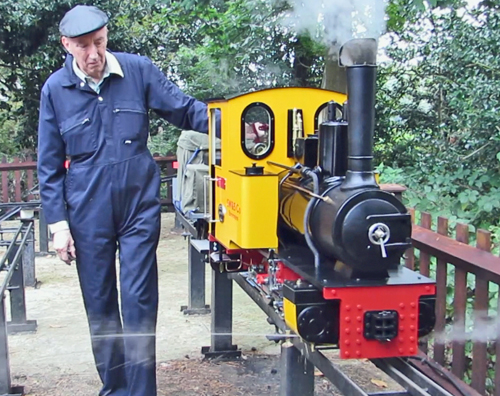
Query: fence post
459, 306
17, 182
43, 232
424, 264
29, 178
28, 257
479, 351
410, 253
497, 355
440, 295
19, 323
5, 183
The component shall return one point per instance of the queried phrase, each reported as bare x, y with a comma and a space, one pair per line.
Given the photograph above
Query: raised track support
297, 373
5, 384
197, 253
19, 322
222, 319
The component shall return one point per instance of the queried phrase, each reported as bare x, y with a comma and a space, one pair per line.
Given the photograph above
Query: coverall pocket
79, 136
131, 120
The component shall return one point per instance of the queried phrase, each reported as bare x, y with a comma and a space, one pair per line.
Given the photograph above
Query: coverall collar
112, 66
73, 77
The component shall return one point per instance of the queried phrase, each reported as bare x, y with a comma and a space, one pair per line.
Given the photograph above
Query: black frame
323, 107
271, 135
290, 148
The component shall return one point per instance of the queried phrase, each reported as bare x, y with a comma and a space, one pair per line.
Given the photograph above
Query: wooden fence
18, 179
467, 279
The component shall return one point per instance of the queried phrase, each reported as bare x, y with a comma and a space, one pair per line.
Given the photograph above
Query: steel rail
10, 248
16, 257
10, 214
30, 204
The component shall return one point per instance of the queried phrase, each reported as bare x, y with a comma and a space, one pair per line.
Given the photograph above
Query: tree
438, 111
30, 51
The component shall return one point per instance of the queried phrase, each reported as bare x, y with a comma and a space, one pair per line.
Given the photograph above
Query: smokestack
359, 56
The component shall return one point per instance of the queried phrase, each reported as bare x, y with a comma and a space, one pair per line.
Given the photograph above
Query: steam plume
484, 328
333, 22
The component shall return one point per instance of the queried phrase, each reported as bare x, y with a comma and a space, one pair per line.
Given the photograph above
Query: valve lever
382, 247
379, 234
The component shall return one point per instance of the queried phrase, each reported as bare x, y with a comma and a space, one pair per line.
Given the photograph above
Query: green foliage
209, 47
470, 196
437, 127
227, 48
9, 128
30, 51
438, 114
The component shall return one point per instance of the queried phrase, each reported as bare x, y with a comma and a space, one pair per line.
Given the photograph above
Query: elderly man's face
89, 51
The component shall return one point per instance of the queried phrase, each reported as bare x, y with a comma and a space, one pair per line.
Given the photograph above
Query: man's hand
64, 246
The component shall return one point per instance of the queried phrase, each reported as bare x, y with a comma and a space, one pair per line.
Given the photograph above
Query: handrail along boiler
294, 202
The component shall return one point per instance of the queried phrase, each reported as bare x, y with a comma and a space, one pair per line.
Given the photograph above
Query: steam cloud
333, 22
485, 328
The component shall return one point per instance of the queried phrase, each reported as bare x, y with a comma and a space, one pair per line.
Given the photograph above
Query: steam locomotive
293, 201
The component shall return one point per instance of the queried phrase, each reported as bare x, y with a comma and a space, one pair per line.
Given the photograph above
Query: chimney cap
358, 52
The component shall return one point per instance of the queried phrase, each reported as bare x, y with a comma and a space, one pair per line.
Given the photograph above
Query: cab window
257, 130
322, 114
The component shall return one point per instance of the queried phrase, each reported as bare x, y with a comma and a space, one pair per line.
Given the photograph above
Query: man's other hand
64, 246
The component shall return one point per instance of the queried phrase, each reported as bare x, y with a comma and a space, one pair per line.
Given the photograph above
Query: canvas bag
192, 158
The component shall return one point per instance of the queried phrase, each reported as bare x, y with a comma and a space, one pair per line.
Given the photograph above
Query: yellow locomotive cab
244, 181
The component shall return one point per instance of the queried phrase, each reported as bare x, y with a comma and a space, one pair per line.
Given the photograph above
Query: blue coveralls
110, 197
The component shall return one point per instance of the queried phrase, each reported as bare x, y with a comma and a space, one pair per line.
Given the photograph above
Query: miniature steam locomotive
293, 200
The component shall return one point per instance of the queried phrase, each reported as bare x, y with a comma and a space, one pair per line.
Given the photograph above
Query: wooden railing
438, 252
18, 179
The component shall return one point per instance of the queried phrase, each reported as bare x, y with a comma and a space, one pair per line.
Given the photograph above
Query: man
94, 112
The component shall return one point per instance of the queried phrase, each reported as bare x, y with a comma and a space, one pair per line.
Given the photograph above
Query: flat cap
82, 19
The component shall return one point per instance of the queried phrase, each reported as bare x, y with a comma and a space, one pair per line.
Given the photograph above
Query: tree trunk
301, 64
